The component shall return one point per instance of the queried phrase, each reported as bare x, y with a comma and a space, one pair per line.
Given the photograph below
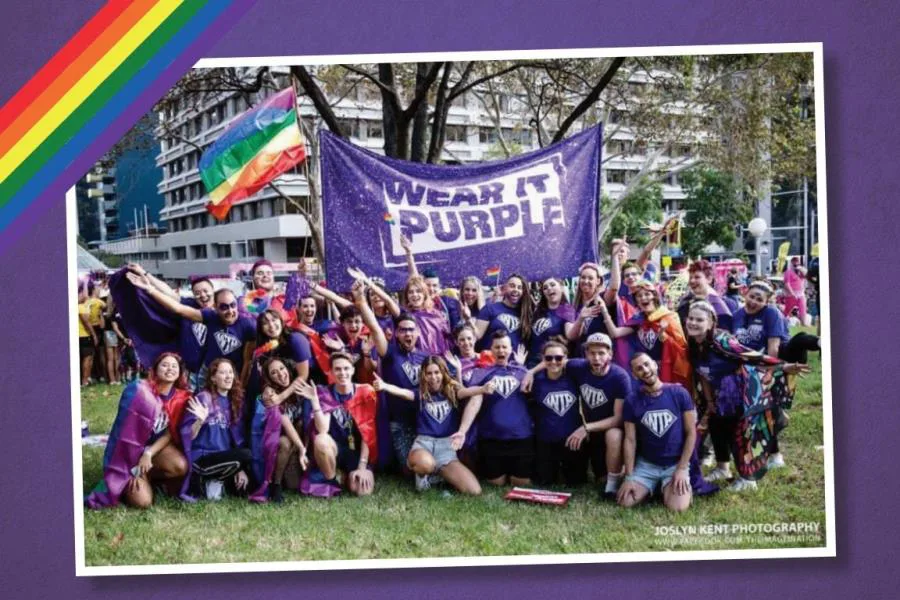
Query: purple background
861, 86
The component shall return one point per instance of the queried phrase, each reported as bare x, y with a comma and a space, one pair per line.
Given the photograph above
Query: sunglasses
554, 358
224, 307
405, 329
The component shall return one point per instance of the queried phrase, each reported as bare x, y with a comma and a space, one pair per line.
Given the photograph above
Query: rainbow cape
257, 147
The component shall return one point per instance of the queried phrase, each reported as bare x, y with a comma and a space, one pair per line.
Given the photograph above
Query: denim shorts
439, 448
650, 476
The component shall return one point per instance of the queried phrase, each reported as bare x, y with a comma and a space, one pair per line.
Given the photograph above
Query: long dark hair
526, 307
261, 337
290, 365
543, 306
181, 383
235, 394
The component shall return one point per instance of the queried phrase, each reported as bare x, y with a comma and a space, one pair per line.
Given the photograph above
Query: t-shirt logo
658, 421
647, 337
540, 326
161, 422
510, 322
438, 410
412, 372
559, 402
467, 376
199, 331
227, 343
505, 385
341, 416
593, 397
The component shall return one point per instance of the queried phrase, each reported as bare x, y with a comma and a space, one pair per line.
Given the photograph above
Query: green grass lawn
397, 522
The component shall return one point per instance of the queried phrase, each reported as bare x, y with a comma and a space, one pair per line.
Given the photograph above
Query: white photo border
829, 550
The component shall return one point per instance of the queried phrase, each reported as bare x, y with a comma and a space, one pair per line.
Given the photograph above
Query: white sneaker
214, 489
776, 461
742, 485
423, 483
718, 474
709, 461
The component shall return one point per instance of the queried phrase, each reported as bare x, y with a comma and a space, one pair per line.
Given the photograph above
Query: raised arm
406, 243
615, 274
647, 250
157, 283
168, 302
320, 419
361, 277
337, 299
613, 330
375, 331
381, 385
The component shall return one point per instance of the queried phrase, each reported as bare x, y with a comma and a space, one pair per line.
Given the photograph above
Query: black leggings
798, 348
222, 465
721, 432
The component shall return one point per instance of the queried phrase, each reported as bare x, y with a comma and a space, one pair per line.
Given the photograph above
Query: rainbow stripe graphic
104, 71
257, 147
389, 219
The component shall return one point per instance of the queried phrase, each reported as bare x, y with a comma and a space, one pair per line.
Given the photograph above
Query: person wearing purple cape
278, 432
192, 335
212, 437
660, 435
441, 428
228, 334
342, 433
141, 447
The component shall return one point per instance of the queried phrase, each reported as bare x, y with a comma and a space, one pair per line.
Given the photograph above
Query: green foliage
715, 207
396, 522
641, 206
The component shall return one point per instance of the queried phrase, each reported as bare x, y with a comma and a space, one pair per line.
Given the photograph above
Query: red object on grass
538, 496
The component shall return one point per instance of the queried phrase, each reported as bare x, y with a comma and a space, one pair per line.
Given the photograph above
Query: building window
254, 248
455, 133
296, 248
222, 250
198, 252
253, 210
487, 135
615, 176
375, 130
350, 127
179, 253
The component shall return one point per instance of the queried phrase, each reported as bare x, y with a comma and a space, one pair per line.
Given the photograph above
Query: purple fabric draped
138, 409
434, 332
151, 327
313, 482
622, 350
269, 449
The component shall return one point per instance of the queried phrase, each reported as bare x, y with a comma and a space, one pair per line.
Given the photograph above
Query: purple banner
535, 214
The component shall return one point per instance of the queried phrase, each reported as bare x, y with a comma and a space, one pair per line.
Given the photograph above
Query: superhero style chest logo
510, 322
559, 402
412, 372
161, 422
540, 326
199, 331
593, 397
439, 411
227, 343
467, 376
217, 418
658, 421
647, 338
506, 385
342, 417
749, 334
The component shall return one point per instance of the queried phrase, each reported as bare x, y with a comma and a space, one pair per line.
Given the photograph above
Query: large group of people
516, 385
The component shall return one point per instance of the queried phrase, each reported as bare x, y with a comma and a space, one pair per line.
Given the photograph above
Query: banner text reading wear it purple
534, 214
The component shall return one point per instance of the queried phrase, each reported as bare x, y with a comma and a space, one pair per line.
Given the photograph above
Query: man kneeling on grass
342, 431
662, 417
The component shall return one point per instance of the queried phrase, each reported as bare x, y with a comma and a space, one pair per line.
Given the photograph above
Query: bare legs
169, 466
422, 462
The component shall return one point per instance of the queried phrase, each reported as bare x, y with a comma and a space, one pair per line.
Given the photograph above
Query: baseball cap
598, 338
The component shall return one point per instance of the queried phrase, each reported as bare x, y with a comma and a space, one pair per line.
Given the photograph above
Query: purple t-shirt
192, 339
401, 368
556, 407
297, 349
548, 324
500, 316
227, 340
660, 423
755, 330
437, 416
713, 367
215, 434
340, 426
598, 393
504, 414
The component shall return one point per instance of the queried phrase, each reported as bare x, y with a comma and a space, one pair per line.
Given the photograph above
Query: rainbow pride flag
493, 272
257, 147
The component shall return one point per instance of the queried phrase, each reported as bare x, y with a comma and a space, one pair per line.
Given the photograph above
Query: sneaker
709, 460
214, 490
776, 461
275, 494
423, 482
718, 474
742, 485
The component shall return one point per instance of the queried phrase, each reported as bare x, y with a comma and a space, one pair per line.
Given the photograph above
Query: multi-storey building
97, 205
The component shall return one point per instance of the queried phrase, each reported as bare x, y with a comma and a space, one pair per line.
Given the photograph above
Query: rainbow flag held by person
493, 272
389, 219
257, 147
